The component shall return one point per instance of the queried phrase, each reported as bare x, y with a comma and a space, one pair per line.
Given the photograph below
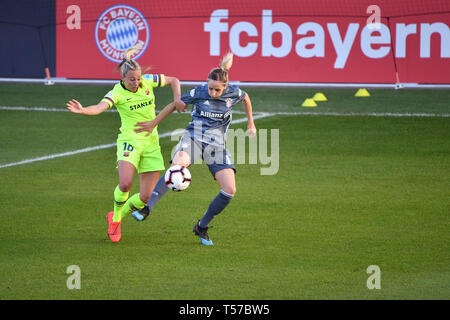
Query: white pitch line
363, 114
43, 109
256, 115
19, 108
103, 146
58, 155
68, 153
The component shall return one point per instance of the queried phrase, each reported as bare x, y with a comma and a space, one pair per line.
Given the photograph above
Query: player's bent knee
125, 187
230, 190
181, 158
144, 197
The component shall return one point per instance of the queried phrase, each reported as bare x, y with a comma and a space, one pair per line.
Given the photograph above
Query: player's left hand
145, 126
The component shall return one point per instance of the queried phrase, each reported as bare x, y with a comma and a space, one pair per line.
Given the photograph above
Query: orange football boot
114, 231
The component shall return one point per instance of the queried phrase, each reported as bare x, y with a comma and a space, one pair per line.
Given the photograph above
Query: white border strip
262, 114
244, 84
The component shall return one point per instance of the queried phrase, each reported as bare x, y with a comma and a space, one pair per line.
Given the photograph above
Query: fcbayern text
375, 43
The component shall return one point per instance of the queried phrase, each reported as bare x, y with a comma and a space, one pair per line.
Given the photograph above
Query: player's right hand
180, 105
145, 126
74, 106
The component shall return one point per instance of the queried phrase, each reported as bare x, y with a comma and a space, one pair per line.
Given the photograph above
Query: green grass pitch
350, 192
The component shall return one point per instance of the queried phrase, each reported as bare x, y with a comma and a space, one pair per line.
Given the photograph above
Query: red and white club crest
119, 28
229, 102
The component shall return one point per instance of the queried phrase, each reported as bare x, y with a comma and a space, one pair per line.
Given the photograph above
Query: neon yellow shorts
144, 155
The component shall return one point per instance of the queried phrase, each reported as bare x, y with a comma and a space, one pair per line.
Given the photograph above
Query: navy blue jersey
213, 116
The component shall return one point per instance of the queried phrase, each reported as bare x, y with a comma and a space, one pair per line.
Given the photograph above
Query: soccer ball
177, 178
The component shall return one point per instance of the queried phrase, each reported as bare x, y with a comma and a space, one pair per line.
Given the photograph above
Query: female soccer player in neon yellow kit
135, 101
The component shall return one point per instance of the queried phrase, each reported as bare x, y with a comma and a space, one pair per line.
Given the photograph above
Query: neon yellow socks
120, 198
132, 204
122, 206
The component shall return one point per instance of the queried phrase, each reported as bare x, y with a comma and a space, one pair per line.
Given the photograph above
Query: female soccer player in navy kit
205, 137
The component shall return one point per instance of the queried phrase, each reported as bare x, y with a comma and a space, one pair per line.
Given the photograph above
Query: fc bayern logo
119, 28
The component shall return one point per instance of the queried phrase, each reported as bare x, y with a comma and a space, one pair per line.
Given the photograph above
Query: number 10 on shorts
127, 148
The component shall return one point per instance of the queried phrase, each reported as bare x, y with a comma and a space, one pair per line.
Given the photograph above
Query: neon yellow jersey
136, 106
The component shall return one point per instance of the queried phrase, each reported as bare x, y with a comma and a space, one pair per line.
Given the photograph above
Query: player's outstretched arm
76, 107
251, 129
150, 125
176, 89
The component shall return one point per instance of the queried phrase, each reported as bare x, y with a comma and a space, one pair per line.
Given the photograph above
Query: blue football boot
142, 214
202, 233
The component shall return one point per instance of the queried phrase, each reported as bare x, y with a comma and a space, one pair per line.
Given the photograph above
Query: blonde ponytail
129, 52
127, 63
221, 73
227, 62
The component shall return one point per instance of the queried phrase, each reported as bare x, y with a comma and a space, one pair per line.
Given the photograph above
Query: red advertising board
273, 41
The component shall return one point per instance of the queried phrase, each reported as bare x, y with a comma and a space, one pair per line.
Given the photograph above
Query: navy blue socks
217, 205
159, 191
